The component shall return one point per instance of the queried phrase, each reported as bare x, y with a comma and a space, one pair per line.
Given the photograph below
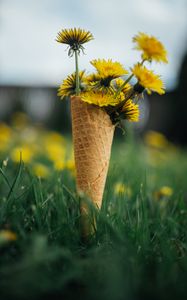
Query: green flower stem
122, 86
127, 80
77, 73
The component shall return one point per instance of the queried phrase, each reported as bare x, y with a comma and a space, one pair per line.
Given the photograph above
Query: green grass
137, 252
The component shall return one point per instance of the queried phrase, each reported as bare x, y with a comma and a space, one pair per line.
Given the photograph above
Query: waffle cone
92, 138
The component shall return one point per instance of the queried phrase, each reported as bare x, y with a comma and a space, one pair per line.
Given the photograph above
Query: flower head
75, 38
59, 165
130, 111
122, 189
163, 192
107, 69
41, 170
156, 139
100, 99
148, 80
92, 78
24, 153
151, 48
68, 86
126, 89
7, 236
5, 136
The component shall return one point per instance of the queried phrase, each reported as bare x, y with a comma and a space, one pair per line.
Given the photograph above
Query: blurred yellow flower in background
55, 151
156, 139
54, 147
159, 149
122, 189
59, 165
164, 191
40, 170
151, 47
23, 153
70, 165
53, 137
7, 236
5, 136
45, 151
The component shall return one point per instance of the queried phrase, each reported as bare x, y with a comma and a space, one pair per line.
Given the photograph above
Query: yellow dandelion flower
25, 153
130, 111
7, 236
119, 83
94, 82
70, 164
148, 80
41, 170
125, 90
54, 146
164, 191
5, 136
122, 189
59, 165
75, 38
107, 69
54, 137
92, 78
151, 48
55, 151
100, 99
156, 139
68, 86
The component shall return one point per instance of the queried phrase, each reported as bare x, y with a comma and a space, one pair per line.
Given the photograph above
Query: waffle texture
92, 138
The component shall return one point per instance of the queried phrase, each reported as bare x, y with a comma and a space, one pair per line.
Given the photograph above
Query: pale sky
29, 54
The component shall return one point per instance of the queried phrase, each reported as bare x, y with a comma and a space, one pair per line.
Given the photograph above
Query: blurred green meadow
138, 250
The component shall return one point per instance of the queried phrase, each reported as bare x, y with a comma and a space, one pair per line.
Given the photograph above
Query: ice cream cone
92, 138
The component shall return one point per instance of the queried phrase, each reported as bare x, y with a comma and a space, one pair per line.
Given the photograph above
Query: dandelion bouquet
101, 100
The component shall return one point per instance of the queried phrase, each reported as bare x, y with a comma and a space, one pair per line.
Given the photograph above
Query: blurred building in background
41, 104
